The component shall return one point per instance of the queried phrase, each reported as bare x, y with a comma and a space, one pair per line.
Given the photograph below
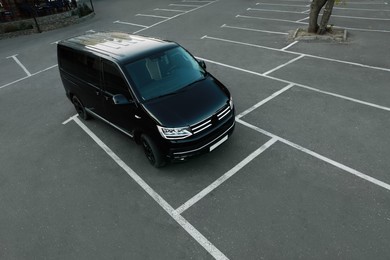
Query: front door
122, 116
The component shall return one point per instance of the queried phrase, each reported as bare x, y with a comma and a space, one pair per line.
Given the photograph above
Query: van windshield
164, 73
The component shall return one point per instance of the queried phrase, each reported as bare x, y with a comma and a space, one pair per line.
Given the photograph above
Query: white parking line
284, 64
290, 45
134, 24
335, 7
299, 22
169, 10
180, 14
262, 102
361, 9
150, 15
275, 11
191, 230
36, 73
253, 30
225, 177
296, 53
361, 18
289, 5
319, 156
268, 19
196, 1
367, 3
184, 5
20, 64
300, 85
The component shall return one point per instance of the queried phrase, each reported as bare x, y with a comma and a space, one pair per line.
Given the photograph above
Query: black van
152, 90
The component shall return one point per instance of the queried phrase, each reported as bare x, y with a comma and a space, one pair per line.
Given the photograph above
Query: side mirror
202, 64
120, 99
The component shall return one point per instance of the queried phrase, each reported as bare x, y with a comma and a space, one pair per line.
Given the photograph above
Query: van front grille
208, 122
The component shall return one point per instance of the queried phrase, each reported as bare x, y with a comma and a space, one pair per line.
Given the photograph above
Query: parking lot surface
304, 176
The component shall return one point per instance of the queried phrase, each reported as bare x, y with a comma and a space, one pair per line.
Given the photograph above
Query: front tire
153, 154
80, 108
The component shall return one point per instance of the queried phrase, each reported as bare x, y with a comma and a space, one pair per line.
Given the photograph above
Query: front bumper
207, 144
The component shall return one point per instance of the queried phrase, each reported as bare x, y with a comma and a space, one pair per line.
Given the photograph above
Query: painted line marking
296, 53
252, 30
36, 73
335, 7
303, 6
367, 3
195, 1
134, 24
225, 177
362, 18
150, 15
298, 22
269, 19
180, 14
361, 9
275, 11
283, 65
191, 230
319, 156
301, 20
290, 45
184, 5
70, 119
262, 102
20, 64
300, 85
170, 10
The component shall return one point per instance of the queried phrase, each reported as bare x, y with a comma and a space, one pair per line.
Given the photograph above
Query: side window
92, 69
113, 80
80, 65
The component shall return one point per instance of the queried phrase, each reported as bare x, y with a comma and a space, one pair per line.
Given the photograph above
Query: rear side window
114, 82
81, 65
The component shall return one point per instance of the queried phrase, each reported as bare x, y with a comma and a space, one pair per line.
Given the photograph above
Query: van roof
118, 45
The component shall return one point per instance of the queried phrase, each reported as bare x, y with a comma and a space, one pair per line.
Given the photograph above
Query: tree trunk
325, 17
315, 8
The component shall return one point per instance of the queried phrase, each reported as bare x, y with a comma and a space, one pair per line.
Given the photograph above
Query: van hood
190, 106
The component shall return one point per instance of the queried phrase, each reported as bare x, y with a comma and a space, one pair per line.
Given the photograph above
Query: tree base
331, 34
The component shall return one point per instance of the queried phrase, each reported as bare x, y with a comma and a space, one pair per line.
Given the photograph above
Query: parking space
330, 126
13, 69
299, 208
305, 175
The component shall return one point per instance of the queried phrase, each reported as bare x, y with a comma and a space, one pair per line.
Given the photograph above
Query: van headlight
174, 133
231, 103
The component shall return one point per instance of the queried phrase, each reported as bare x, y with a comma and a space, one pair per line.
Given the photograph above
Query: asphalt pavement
304, 176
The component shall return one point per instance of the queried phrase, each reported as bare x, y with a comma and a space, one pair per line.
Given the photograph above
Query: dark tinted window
80, 65
113, 80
